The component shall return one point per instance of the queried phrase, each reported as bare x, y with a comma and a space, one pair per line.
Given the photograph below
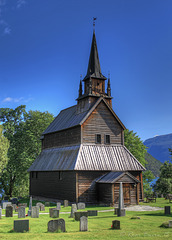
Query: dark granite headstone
116, 224
80, 205
56, 225
92, 213
21, 225
21, 212
66, 203
83, 223
78, 215
54, 213
167, 210
115, 211
9, 211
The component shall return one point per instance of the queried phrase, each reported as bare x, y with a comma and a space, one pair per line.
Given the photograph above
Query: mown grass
160, 202
147, 227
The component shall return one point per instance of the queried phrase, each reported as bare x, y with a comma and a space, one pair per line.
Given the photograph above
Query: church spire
94, 69
108, 86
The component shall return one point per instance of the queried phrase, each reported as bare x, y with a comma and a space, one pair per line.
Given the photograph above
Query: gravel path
141, 208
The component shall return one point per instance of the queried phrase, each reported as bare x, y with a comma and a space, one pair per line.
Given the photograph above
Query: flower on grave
111, 226
26, 215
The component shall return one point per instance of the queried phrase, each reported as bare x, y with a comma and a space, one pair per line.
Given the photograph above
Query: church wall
101, 121
71, 136
59, 185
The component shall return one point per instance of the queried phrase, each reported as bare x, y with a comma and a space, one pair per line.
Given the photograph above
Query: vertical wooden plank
76, 187
137, 193
113, 194
141, 179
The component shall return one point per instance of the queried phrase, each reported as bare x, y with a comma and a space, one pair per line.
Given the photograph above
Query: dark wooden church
83, 156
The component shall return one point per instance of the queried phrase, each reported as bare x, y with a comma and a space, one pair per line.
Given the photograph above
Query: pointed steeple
94, 69
80, 89
108, 86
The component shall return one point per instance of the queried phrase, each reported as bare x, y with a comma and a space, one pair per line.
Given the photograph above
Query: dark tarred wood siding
105, 193
101, 121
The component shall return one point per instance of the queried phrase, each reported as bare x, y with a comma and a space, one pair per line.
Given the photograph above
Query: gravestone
115, 211
22, 205
92, 213
58, 206
78, 215
56, 225
167, 210
54, 213
35, 212
5, 204
83, 223
9, 211
21, 212
80, 205
21, 225
73, 210
0, 212
47, 204
116, 224
170, 224
66, 203
41, 206
14, 207
30, 207
121, 210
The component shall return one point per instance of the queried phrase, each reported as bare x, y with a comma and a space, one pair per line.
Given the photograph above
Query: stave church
83, 157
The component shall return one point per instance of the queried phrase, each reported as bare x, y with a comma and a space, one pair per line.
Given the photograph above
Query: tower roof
94, 69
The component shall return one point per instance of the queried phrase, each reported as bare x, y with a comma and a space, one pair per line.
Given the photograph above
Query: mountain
158, 147
153, 164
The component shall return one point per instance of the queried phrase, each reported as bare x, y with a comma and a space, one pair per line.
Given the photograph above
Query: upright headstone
167, 210
83, 223
80, 205
5, 204
22, 205
30, 207
9, 211
58, 206
35, 212
56, 225
21, 212
47, 204
121, 210
54, 213
14, 207
0, 212
78, 215
116, 224
66, 203
41, 206
21, 225
92, 213
170, 224
73, 210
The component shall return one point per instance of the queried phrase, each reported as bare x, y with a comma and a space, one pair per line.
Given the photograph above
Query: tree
147, 179
4, 145
24, 130
135, 146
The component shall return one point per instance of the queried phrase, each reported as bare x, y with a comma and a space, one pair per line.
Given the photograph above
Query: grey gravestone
47, 204
92, 213
116, 224
78, 215
73, 210
83, 223
121, 210
121, 213
115, 211
170, 224
41, 206
58, 206
22, 205
54, 213
14, 207
9, 211
0, 212
30, 207
21, 225
21, 212
66, 203
80, 205
167, 210
4, 204
56, 225
35, 212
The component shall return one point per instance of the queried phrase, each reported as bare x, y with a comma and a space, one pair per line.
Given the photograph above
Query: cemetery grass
147, 227
160, 202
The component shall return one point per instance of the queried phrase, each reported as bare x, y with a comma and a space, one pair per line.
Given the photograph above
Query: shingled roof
68, 118
87, 157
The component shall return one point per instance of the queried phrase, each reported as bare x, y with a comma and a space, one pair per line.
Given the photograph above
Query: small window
107, 139
60, 175
98, 138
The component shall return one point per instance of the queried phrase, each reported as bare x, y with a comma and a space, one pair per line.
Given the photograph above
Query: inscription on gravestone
21, 225
21, 212
116, 224
80, 205
83, 223
56, 225
9, 211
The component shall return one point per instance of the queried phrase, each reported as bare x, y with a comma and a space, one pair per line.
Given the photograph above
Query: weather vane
94, 19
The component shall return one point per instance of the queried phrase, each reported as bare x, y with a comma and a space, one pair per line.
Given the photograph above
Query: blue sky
45, 47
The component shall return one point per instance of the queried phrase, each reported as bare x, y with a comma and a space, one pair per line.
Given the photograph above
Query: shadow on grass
157, 214
103, 217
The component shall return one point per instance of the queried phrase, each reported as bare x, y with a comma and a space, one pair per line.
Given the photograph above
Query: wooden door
126, 193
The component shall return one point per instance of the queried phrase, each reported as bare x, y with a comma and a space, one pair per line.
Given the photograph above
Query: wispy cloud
20, 3
16, 100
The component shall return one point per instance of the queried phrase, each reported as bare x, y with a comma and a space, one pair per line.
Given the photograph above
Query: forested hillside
153, 164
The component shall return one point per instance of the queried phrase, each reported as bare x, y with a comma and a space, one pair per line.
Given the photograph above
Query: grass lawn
98, 227
160, 202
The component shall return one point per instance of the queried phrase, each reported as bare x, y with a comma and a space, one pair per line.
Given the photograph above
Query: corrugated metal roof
87, 157
112, 177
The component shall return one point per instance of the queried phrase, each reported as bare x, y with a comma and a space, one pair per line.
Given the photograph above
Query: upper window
98, 138
107, 139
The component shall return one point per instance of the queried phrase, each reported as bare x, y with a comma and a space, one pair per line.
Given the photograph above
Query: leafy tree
4, 145
147, 179
24, 130
135, 146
